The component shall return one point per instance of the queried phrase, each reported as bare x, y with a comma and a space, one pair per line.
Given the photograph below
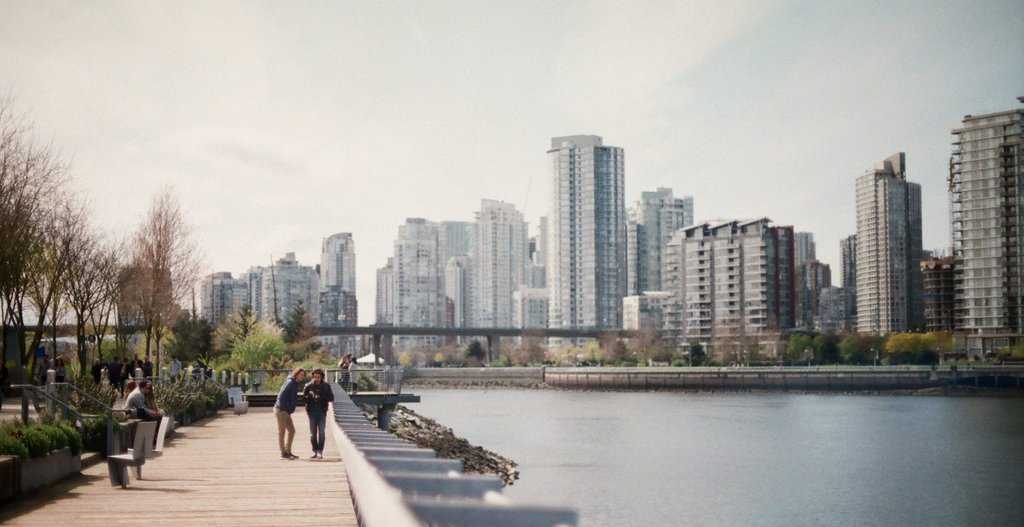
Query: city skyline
273, 162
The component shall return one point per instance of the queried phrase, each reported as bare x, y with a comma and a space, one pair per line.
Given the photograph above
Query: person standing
318, 395
114, 373
61, 371
147, 369
287, 399
343, 365
96, 371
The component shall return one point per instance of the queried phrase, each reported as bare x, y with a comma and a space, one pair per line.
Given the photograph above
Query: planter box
10, 477
40, 472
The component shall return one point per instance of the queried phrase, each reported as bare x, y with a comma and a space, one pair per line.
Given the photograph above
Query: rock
427, 433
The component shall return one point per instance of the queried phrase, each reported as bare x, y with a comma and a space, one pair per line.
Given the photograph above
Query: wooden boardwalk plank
224, 471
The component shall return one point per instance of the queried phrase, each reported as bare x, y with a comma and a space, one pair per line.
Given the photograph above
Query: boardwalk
226, 471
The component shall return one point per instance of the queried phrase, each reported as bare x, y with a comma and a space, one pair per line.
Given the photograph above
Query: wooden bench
117, 466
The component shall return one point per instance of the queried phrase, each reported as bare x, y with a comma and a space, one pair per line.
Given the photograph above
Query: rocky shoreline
427, 433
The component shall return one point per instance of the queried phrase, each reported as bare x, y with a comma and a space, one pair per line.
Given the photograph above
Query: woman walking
317, 394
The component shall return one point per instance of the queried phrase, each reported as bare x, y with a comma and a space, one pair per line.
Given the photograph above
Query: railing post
51, 377
24, 406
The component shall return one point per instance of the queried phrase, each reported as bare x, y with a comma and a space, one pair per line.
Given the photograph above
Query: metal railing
385, 379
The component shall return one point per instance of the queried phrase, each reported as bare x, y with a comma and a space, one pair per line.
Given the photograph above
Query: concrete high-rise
804, 248
848, 270
986, 185
287, 284
338, 262
652, 222
458, 283
739, 286
418, 294
939, 279
812, 277
531, 308
500, 260
586, 269
221, 295
673, 281
888, 249
386, 293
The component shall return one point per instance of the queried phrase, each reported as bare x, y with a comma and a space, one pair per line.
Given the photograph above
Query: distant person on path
318, 395
345, 364
147, 369
287, 399
175, 368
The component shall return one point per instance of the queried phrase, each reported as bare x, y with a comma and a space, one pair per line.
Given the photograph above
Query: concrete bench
161, 437
117, 466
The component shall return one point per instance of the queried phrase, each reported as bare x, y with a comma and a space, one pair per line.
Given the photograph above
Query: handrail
42, 391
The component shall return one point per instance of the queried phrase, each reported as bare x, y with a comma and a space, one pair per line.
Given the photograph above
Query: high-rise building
338, 262
939, 293
832, 316
985, 183
500, 258
804, 250
287, 284
338, 307
812, 277
739, 291
652, 222
673, 280
586, 271
458, 285
848, 262
888, 249
386, 293
531, 308
221, 295
419, 299
644, 312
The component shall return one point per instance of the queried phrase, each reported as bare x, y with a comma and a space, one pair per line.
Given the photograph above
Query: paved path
225, 471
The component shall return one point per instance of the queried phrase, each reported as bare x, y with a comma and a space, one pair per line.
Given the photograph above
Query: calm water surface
743, 459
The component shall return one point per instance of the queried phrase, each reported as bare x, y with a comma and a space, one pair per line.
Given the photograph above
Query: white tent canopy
369, 358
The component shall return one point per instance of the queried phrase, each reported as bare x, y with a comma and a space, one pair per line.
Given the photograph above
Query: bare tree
31, 178
166, 262
108, 264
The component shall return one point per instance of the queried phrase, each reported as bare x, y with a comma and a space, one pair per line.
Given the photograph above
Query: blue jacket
288, 397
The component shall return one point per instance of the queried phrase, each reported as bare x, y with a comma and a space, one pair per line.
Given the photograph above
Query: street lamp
876, 356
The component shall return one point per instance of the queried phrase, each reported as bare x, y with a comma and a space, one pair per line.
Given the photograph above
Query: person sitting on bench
136, 403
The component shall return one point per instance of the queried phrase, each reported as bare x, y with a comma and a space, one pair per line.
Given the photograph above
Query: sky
279, 124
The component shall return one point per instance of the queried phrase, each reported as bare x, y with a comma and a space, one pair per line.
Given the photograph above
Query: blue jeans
317, 430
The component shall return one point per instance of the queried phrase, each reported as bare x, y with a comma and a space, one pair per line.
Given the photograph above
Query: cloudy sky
279, 124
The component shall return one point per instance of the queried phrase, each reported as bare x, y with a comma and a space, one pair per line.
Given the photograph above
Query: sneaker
284, 455
292, 456
313, 456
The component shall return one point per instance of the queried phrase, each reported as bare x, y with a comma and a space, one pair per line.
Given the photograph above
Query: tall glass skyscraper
587, 257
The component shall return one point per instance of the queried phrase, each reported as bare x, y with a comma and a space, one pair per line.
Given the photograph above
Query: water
744, 459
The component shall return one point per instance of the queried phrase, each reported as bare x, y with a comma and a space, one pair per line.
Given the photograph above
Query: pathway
224, 471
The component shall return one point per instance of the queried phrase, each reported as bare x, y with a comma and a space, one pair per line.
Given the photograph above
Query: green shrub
94, 433
74, 438
10, 446
37, 442
57, 438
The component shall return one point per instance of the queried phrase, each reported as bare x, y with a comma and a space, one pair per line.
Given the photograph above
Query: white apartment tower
386, 293
458, 278
221, 295
889, 286
586, 271
653, 221
338, 262
500, 262
286, 284
986, 185
739, 285
418, 296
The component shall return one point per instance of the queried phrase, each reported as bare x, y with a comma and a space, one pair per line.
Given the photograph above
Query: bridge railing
379, 379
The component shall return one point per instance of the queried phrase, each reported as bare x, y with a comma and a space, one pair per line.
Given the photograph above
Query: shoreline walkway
224, 471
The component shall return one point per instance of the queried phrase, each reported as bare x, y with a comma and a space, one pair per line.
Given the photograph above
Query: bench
161, 437
117, 466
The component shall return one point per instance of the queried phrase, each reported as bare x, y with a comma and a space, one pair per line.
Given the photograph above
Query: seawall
824, 378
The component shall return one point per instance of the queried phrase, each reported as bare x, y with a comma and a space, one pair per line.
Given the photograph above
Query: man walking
287, 398
317, 394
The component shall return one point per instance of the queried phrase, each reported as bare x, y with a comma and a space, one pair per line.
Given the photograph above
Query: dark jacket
288, 397
317, 396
